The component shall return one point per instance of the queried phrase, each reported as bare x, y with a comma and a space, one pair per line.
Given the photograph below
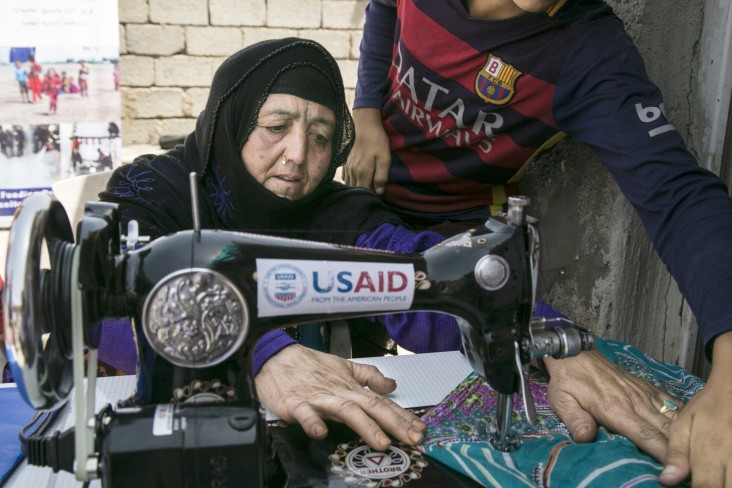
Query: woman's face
290, 148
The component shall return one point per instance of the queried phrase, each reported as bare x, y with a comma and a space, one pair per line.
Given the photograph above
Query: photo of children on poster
59, 94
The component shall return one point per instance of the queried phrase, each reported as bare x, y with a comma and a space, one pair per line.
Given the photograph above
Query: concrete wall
604, 271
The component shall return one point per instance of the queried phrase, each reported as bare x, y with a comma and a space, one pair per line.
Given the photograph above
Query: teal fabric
458, 429
311, 337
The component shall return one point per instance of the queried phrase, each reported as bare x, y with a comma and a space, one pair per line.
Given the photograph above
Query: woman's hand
700, 440
369, 161
588, 390
307, 386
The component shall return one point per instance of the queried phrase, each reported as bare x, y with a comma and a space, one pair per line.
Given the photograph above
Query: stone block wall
170, 49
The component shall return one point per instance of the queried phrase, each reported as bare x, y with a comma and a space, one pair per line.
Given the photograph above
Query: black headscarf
154, 190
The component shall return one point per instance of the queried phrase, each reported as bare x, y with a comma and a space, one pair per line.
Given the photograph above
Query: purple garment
417, 331
544, 310
269, 345
117, 345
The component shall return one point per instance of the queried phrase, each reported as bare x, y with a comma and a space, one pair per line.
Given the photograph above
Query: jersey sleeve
375, 53
605, 99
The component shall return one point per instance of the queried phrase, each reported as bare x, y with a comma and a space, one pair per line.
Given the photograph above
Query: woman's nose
296, 147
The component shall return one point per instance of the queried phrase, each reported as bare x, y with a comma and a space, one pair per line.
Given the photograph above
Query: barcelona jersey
467, 103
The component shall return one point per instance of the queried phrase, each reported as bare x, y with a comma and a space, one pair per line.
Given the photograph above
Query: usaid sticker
292, 287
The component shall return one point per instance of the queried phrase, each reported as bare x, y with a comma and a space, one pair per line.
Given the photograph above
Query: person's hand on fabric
589, 390
700, 440
369, 161
307, 386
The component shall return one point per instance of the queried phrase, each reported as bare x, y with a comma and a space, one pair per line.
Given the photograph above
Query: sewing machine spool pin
195, 212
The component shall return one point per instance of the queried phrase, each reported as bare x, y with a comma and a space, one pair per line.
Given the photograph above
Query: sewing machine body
447, 285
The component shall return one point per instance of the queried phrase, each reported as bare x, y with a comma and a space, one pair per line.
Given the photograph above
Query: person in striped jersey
456, 97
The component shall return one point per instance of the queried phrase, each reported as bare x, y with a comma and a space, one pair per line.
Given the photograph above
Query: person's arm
589, 390
296, 383
376, 49
607, 101
369, 161
270, 344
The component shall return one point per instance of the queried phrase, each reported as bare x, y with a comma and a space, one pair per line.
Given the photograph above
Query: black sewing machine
199, 301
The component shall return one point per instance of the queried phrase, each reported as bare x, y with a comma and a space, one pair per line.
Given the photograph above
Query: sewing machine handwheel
36, 302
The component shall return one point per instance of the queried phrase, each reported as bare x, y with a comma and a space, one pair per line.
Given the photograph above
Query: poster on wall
59, 94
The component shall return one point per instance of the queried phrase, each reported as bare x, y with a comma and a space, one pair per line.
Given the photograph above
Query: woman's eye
276, 129
321, 140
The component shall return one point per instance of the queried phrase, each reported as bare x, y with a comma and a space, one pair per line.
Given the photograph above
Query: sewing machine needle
504, 412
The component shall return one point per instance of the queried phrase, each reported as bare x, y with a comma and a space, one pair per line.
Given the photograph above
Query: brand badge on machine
292, 287
496, 81
357, 463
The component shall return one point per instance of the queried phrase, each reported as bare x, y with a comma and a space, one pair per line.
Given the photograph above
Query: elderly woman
266, 149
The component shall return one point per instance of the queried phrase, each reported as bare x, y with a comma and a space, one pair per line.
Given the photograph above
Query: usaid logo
300, 286
285, 285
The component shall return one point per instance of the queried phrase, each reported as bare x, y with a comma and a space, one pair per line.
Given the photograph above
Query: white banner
60, 105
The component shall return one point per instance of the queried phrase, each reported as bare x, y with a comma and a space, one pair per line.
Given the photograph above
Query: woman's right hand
307, 386
370, 159
588, 390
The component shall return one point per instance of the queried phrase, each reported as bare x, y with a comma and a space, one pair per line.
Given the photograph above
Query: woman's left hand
588, 390
307, 386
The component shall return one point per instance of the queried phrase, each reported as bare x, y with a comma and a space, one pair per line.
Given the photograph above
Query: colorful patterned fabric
459, 428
